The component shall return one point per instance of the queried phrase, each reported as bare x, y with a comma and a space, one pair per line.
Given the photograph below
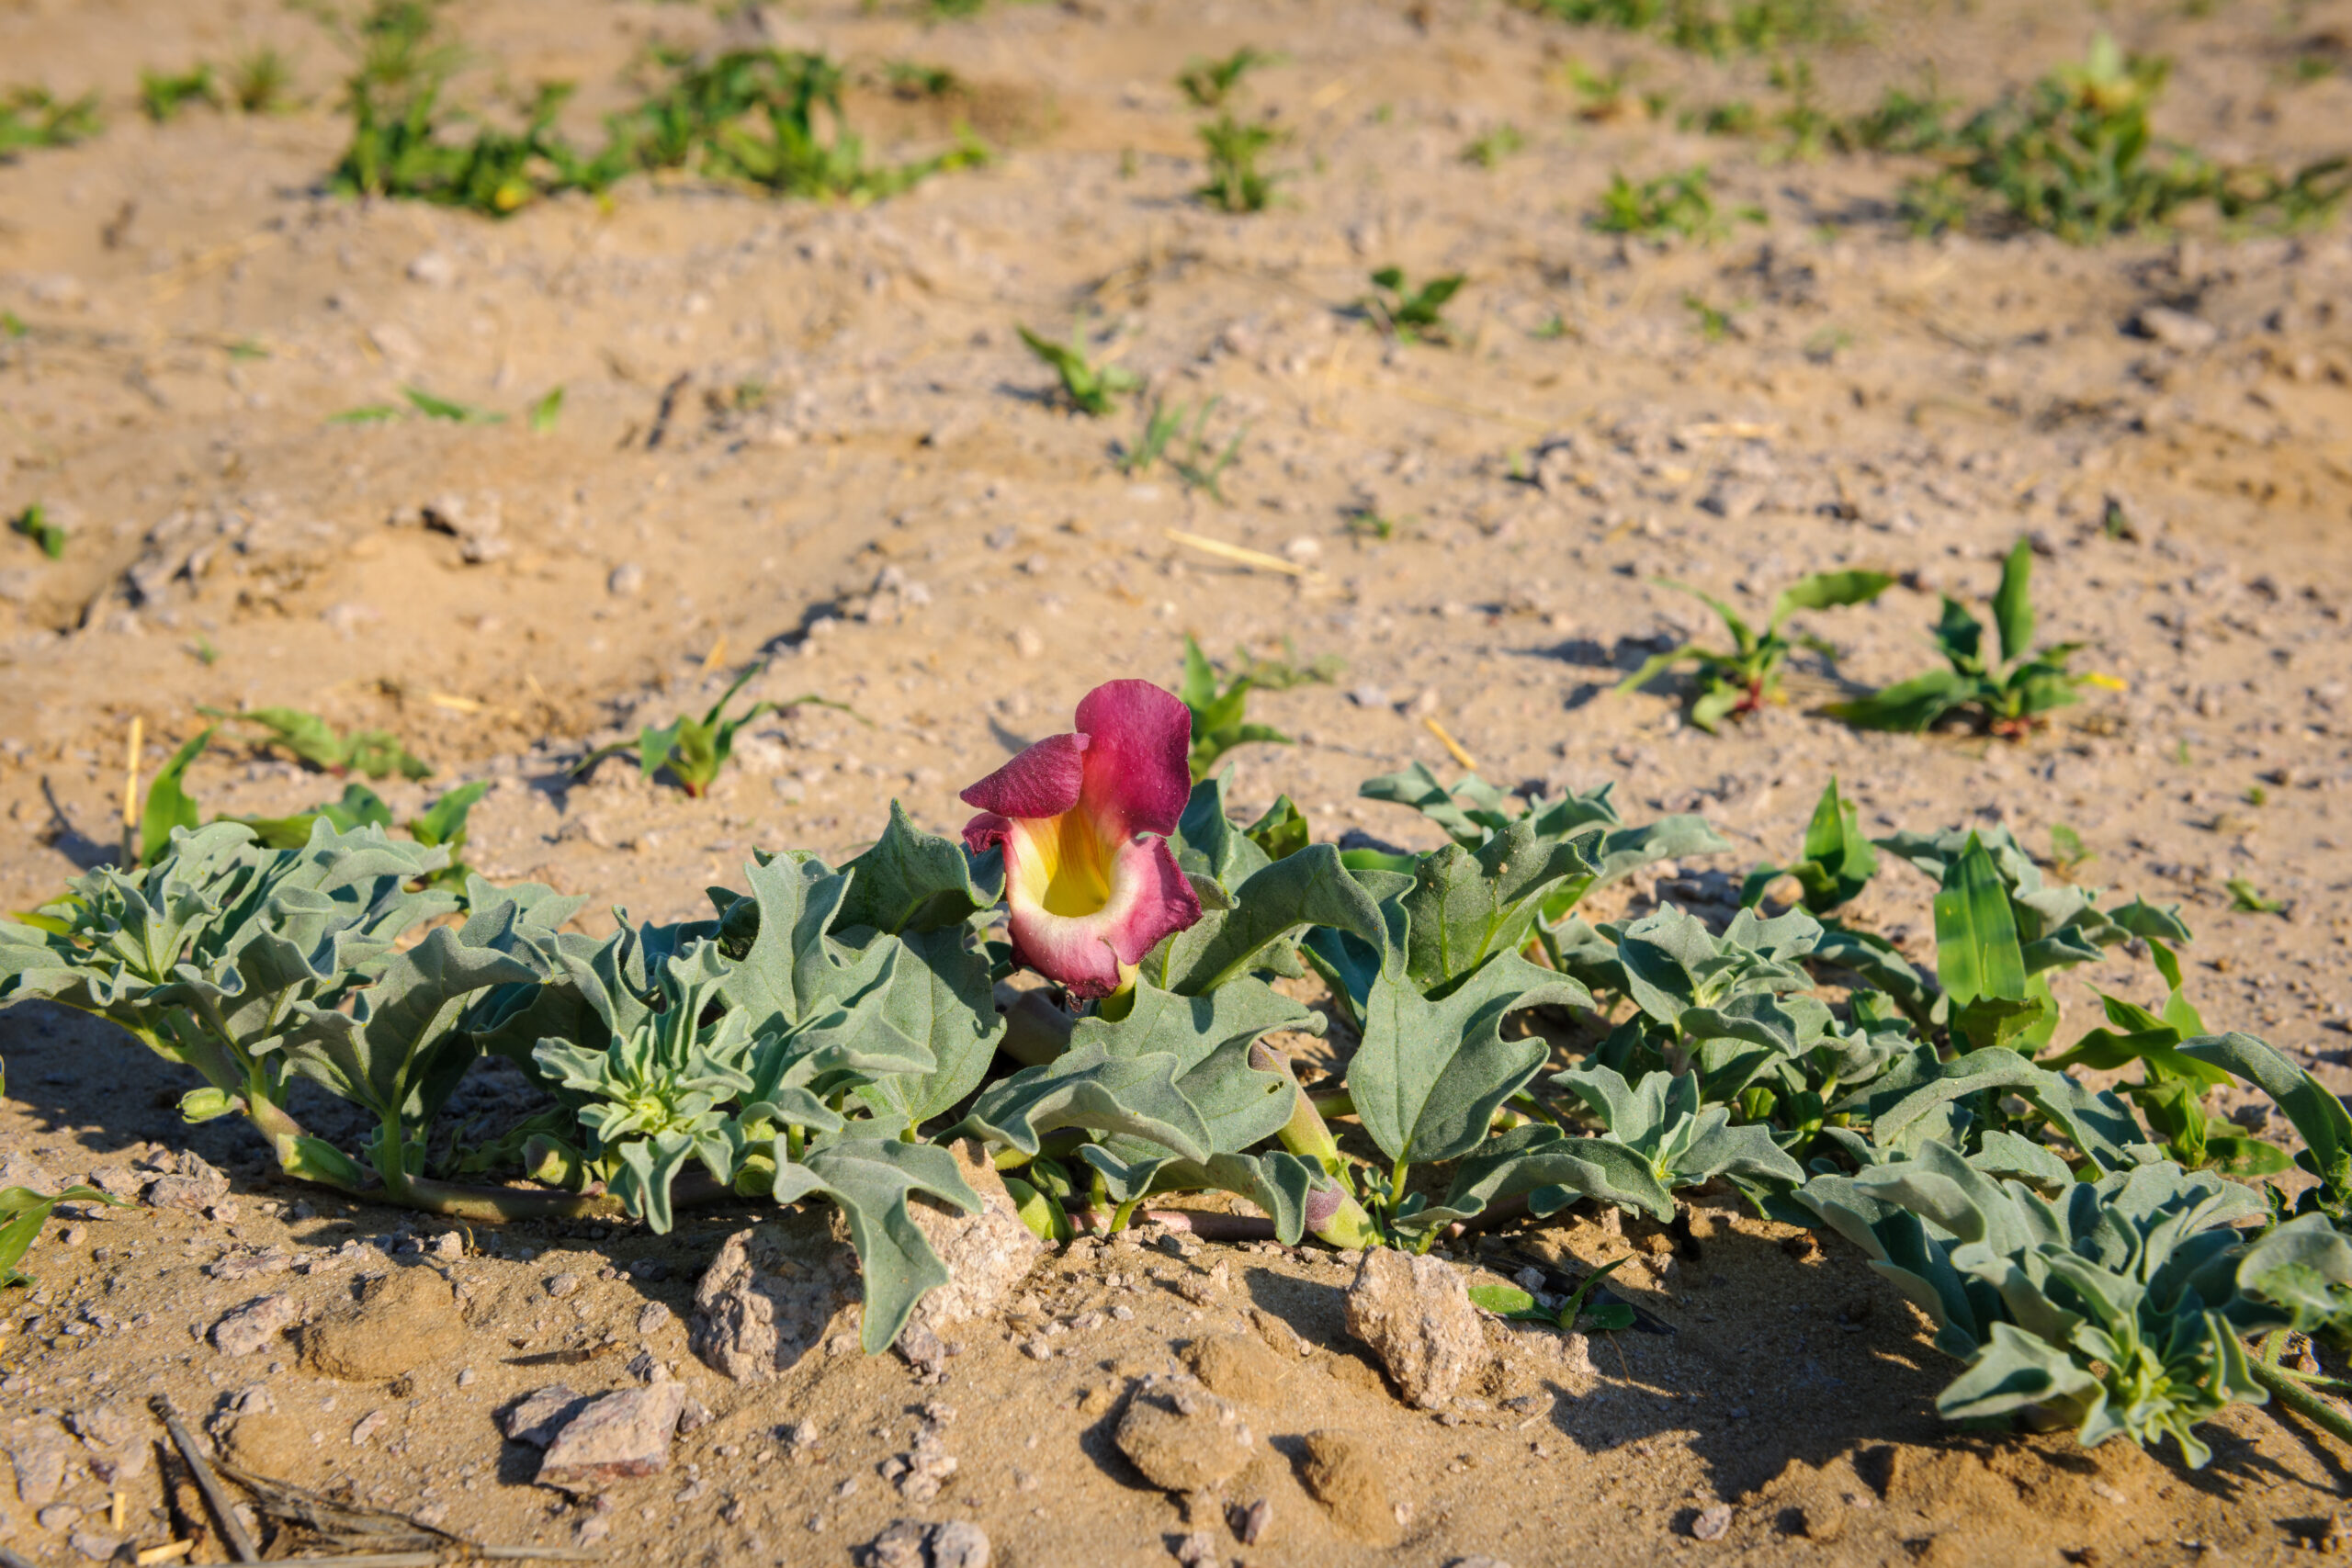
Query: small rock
117, 1441
1479, 1560
958, 1543
1183, 1441
626, 581
921, 1347
250, 1265
2175, 330
562, 1285
1197, 1550
400, 1320
364, 1430
192, 1184
694, 1416
765, 1301
900, 1546
986, 1253
1369, 696
538, 1415
1712, 1523
434, 269
59, 1516
98, 1545
651, 1317
1346, 1475
1256, 1520
1415, 1316
256, 1324
615, 1435
40, 1456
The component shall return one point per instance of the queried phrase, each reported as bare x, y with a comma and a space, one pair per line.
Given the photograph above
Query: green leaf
2013, 603
168, 805
1429, 1072
1210, 1037
937, 996
1908, 706
366, 414
1309, 888
1976, 938
2015, 1369
871, 1179
27, 1211
1505, 1300
2314, 1110
2303, 1266
1282, 831
913, 881
547, 412
1829, 590
444, 822
1464, 907
1554, 1169
433, 407
1090, 1089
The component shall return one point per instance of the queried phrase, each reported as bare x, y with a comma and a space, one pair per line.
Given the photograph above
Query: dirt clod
400, 1320
1238, 1368
988, 1253
1345, 1473
957, 1543
1183, 1440
1416, 1315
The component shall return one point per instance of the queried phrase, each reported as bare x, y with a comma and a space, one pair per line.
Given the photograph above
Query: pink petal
1149, 898
1137, 775
1043, 781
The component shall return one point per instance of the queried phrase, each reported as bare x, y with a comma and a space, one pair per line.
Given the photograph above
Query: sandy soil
902, 521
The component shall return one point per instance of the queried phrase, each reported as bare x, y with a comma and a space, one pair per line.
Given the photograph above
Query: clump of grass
163, 94
1703, 26
261, 81
1236, 183
1489, 151
1200, 463
1209, 83
1089, 386
2074, 156
33, 116
1681, 204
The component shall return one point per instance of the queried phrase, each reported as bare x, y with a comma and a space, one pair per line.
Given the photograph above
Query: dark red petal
1136, 777
1163, 902
985, 832
1043, 781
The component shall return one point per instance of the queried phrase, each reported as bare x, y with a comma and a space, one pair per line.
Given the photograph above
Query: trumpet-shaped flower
1088, 876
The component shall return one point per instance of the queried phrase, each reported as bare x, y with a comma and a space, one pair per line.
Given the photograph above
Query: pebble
254, 1326
956, 1544
562, 1285
626, 581
536, 1416
1713, 1523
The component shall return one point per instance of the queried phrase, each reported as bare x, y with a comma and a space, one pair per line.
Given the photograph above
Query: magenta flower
1087, 873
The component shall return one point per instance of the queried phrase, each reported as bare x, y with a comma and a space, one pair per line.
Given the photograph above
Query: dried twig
232, 1528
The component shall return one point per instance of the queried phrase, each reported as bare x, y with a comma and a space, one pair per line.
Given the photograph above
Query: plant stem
2324, 1414
1122, 1214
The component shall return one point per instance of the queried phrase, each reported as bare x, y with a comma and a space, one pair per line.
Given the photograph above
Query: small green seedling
33, 522
2067, 854
1715, 325
1412, 315
1368, 523
261, 81
30, 117
1160, 424
695, 750
366, 413
1219, 721
547, 412
2247, 898
26, 1211
163, 94
1489, 151
1510, 1302
1209, 83
1088, 387
1837, 858
1679, 203
1236, 183
374, 753
2010, 692
432, 407
168, 805
1740, 682
1201, 463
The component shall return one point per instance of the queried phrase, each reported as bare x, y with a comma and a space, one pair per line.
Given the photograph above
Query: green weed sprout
1832, 865
1510, 1302
32, 117
1219, 710
261, 81
2010, 692
2074, 155
1412, 315
1201, 466
1236, 183
1209, 83
33, 522
163, 94
1679, 203
695, 750
1489, 151
1740, 682
26, 1211
374, 753
1089, 387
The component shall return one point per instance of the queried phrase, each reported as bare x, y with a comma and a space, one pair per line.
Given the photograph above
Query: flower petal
1043, 781
1149, 898
1137, 775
